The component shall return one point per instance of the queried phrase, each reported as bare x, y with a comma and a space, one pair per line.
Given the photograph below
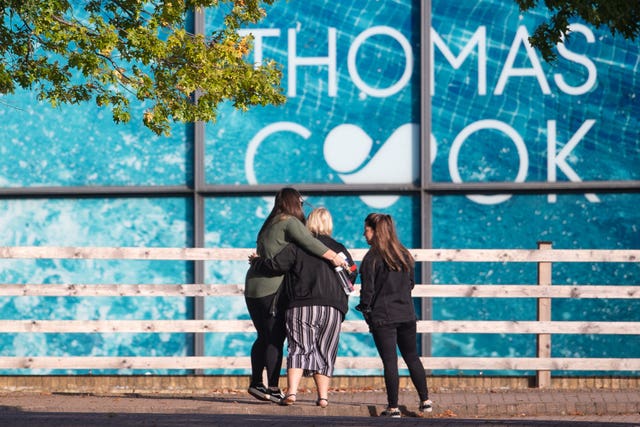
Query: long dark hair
385, 242
288, 202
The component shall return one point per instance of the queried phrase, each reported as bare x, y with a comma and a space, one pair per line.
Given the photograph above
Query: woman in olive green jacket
285, 224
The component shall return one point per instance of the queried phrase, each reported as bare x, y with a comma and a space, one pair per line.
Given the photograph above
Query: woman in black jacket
387, 278
316, 307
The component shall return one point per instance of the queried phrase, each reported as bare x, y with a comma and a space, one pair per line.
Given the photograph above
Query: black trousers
266, 351
402, 335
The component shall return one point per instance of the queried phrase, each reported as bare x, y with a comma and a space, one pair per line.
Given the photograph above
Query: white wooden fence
543, 327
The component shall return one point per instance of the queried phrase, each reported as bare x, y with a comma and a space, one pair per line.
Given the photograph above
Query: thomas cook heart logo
347, 150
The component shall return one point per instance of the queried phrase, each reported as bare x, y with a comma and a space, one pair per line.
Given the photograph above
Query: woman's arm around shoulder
279, 264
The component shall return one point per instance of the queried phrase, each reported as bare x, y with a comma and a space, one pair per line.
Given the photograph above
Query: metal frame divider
425, 163
198, 208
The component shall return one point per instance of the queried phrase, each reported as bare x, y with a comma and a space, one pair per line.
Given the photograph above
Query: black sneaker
391, 413
275, 395
426, 406
260, 392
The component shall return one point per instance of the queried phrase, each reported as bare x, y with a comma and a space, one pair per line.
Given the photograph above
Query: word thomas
477, 42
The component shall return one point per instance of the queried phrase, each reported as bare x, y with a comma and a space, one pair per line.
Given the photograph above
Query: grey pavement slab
348, 408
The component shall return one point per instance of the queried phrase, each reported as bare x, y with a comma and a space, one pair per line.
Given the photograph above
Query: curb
534, 403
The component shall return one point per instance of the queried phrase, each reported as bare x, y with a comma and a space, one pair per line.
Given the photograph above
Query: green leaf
112, 51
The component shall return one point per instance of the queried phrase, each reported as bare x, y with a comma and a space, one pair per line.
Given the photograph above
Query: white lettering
258, 35
478, 39
408, 62
295, 61
263, 134
521, 147
560, 158
509, 70
579, 59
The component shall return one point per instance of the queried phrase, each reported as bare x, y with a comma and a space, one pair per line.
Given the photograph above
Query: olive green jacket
282, 231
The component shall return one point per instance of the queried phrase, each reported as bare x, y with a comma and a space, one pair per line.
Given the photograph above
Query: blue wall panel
94, 222
81, 145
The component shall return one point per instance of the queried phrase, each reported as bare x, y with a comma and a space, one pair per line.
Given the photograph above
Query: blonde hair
319, 222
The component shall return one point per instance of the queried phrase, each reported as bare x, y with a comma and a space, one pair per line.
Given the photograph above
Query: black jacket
385, 296
309, 280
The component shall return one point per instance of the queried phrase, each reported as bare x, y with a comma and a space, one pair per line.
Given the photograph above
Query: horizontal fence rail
205, 326
543, 292
241, 254
421, 291
193, 362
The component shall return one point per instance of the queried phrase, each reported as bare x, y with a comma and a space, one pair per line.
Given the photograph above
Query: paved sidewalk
456, 408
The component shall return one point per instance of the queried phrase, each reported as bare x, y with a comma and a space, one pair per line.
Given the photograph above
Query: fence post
543, 377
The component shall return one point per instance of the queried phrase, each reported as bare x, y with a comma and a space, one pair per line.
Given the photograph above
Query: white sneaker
426, 406
391, 413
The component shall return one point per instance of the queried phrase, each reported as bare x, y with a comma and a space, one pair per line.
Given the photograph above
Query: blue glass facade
353, 114
95, 222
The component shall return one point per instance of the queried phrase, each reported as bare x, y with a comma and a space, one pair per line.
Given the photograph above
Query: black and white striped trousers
313, 333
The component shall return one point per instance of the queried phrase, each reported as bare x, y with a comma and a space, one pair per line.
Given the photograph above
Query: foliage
113, 51
620, 16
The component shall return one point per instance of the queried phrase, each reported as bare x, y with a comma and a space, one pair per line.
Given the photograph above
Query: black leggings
404, 336
266, 351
